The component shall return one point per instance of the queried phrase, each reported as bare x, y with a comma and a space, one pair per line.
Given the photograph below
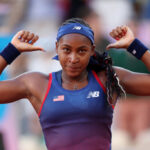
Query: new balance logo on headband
76, 28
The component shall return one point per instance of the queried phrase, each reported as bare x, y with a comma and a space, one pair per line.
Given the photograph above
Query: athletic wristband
137, 49
10, 53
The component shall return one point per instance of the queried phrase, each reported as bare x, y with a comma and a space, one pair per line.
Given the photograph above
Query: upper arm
134, 83
12, 90
29, 85
146, 60
3, 64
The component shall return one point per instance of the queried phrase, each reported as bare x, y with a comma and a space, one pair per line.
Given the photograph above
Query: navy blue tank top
76, 119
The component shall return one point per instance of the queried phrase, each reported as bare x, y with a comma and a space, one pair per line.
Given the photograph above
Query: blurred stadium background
19, 126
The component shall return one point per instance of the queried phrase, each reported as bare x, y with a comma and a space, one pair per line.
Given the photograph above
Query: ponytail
100, 62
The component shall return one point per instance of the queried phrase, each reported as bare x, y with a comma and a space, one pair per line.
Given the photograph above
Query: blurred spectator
113, 12
41, 16
146, 10
1, 142
133, 116
8, 127
144, 31
138, 6
2, 114
73, 6
8, 18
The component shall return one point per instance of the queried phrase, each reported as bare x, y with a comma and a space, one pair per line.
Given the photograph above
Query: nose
73, 58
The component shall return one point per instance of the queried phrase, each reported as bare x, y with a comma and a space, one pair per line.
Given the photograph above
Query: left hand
124, 37
24, 41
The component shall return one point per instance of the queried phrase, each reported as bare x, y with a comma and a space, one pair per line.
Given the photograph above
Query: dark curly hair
99, 62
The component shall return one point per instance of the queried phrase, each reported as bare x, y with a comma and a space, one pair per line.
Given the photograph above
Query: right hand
24, 40
124, 37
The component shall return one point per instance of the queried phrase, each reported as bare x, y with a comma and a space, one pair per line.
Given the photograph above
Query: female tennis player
75, 105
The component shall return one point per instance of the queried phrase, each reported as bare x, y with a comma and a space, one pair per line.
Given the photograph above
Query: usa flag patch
58, 98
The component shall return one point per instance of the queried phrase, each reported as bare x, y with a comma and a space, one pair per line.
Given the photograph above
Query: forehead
75, 38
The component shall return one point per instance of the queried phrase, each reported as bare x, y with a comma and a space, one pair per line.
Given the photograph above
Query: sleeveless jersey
76, 119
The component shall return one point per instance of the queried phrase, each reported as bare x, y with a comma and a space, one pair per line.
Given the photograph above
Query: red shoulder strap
47, 91
99, 81
101, 84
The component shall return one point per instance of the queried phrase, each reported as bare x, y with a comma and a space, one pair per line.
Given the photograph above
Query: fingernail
124, 32
117, 38
30, 42
19, 37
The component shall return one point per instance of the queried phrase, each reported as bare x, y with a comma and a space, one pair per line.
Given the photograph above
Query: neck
78, 78
74, 83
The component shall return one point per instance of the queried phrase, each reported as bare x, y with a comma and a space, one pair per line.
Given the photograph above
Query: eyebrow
66, 45
83, 46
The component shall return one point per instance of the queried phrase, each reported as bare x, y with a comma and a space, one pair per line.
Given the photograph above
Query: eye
82, 51
65, 49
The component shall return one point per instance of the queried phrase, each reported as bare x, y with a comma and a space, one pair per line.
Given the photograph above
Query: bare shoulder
122, 72
36, 84
31, 77
28, 85
35, 81
117, 69
125, 75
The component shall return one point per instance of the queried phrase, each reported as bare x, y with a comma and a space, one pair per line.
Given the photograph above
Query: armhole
47, 91
101, 84
113, 106
99, 81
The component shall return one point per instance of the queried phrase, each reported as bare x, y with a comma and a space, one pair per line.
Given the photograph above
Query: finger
113, 45
124, 29
17, 37
24, 36
120, 32
109, 46
114, 34
29, 37
35, 48
19, 34
34, 39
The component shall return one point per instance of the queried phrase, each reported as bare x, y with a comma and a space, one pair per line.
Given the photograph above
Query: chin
73, 73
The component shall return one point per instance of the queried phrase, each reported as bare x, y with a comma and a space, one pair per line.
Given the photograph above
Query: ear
93, 49
56, 47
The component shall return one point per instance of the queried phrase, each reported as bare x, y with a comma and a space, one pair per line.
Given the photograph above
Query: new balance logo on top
93, 94
76, 28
